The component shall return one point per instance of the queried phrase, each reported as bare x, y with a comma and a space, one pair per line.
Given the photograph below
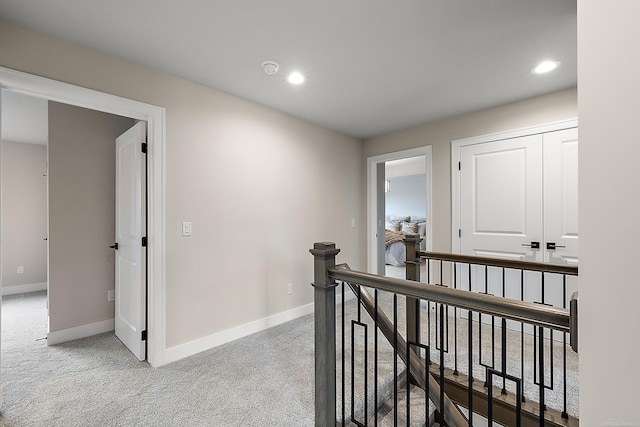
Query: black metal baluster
504, 337
480, 326
522, 335
408, 383
455, 323
395, 359
343, 356
359, 304
489, 383
353, 359
565, 415
375, 358
541, 368
427, 362
365, 393
504, 355
470, 347
442, 359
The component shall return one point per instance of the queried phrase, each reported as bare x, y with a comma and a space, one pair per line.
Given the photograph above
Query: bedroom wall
407, 196
81, 214
24, 216
553, 107
259, 186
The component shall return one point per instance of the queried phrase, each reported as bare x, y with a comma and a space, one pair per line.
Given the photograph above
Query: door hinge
144, 241
459, 165
459, 232
144, 147
144, 335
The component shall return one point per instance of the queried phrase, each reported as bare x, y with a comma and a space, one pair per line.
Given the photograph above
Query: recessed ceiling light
545, 67
295, 78
270, 67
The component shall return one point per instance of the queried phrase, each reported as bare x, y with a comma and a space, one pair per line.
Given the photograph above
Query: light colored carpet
265, 379
262, 380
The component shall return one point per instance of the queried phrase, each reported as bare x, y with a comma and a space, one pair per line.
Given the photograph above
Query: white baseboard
23, 289
78, 332
196, 346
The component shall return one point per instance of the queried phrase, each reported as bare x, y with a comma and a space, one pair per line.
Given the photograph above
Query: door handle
532, 245
552, 246
114, 246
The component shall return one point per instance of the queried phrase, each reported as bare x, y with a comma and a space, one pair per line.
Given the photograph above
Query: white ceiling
372, 66
24, 119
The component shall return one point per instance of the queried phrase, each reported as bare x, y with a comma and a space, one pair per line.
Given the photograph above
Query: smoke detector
270, 67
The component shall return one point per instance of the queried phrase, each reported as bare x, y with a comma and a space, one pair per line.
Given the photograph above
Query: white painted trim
70, 334
457, 144
372, 198
155, 117
206, 343
23, 289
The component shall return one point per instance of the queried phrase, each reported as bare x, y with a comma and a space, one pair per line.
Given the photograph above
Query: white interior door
500, 198
561, 196
515, 192
130, 315
561, 212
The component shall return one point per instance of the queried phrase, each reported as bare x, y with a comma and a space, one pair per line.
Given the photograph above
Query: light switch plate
186, 229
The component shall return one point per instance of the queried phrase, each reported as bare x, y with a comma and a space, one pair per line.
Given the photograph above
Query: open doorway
399, 198
154, 117
59, 215
23, 185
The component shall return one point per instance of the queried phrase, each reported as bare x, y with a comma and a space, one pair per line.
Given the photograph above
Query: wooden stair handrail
555, 318
571, 270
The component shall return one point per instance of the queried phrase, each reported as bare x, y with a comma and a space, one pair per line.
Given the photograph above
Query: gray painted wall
81, 214
24, 214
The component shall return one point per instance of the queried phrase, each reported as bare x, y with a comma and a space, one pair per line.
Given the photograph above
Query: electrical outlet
21, 269
111, 295
289, 288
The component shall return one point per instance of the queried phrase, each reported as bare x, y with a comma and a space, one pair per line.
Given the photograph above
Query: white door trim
457, 144
372, 198
53, 90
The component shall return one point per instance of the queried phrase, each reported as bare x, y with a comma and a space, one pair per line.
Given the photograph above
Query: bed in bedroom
395, 229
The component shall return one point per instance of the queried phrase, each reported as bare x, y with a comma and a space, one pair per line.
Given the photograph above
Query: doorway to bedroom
399, 201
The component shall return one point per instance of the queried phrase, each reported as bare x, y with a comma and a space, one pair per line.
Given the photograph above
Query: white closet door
514, 192
561, 196
560, 213
500, 210
500, 194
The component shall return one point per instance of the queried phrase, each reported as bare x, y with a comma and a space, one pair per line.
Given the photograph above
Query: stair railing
417, 355
542, 283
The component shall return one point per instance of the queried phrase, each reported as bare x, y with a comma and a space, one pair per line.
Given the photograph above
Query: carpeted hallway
262, 380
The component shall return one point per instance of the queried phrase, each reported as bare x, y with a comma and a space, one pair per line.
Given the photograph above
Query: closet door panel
561, 196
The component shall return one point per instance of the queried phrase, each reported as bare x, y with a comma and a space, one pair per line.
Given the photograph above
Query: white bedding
395, 253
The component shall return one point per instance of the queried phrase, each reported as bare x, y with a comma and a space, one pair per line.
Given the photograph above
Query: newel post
412, 266
324, 300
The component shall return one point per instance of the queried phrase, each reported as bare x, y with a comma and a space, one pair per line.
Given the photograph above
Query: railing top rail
521, 311
506, 263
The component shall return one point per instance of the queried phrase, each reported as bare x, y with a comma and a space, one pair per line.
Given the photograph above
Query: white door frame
53, 90
372, 198
457, 144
